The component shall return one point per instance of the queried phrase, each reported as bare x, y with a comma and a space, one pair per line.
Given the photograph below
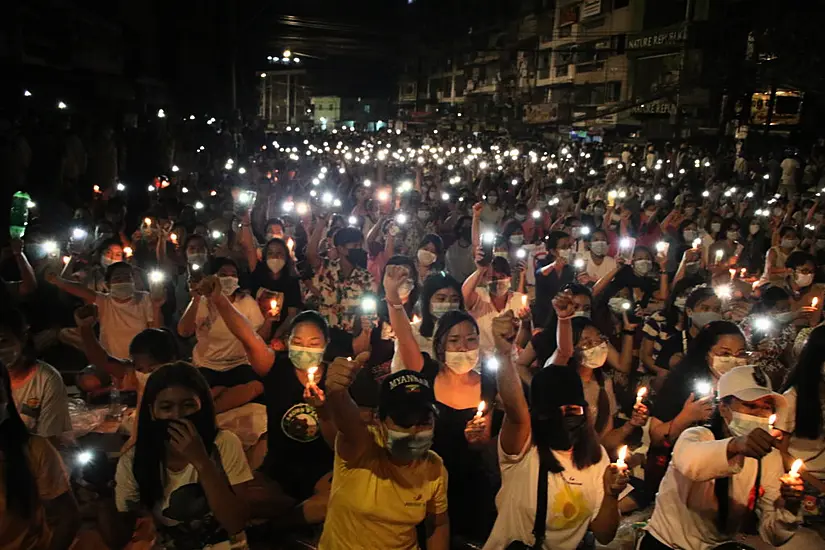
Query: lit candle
771, 421
147, 221
640, 395
174, 238
311, 375
128, 251
524, 300
620, 462
481, 408
66, 260
96, 189
742, 273
814, 302
795, 467
696, 242
416, 319
719, 254
732, 273
273, 305
290, 243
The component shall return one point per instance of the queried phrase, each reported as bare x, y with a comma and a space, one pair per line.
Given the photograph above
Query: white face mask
516, 240
275, 265
492, 199
198, 258
721, 365
122, 291
599, 248
594, 357
461, 362
742, 424
426, 258
565, 254
440, 308
228, 285
642, 267
803, 279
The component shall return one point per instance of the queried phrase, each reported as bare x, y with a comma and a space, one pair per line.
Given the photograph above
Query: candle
797, 464
290, 243
416, 319
814, 302
620, 462
742, 273
273, 305
719, 254
174, 238
524, 301
147, 221
128, 251
311, 375
66, 260
481, 407
696, 242
771, 421
640, 395
732, 273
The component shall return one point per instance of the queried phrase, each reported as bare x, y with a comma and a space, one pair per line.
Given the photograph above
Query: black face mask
201, 421
559, 432
466, 234
357, 257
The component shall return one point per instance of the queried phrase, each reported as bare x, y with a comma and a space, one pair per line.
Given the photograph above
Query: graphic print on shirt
569, 509
197, 526
300, 423
30, 411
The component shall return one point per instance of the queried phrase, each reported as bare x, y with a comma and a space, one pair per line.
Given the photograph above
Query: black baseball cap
407, 398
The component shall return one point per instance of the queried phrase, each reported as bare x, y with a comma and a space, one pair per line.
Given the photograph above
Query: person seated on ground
707, 496
124, 311
37, 508
150, 349
293, 483
379, 472
183, 471
218, 353
37, 387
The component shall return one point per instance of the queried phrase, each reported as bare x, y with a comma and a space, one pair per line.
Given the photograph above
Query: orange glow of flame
128, 251
524, 301
641, 394
174, 238
771, 421
797, 465
147, 222
482, 406
416, 319
96, 189
620, 462
66, 260
732, 273
743, 272
814, 302
311, 374
273, 304
290, 243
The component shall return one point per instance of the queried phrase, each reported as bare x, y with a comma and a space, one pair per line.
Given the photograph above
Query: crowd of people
397, 340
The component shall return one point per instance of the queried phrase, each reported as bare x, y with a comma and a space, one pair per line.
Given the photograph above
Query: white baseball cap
749, 383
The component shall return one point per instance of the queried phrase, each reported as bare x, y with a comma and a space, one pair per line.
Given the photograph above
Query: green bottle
19, 214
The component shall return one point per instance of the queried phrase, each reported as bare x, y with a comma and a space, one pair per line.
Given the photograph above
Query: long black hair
721, 485
448, 321
578, 324
806, 378
15, 322
432, 284
287, 269
21, 489
150, 444
672, 314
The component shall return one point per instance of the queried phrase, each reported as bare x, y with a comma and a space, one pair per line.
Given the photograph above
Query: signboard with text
657, 39
591, 8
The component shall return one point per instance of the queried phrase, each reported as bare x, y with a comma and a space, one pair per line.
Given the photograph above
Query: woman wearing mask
491, 213
274, 278
485, 304
680, 242
124, 311
755, 245
38, 508
460, 257
597, 262
711, 233
724, 248
184, 472
775, 269
292, 483
217, 351
702, 306
552, 440
462, 436
428, 257
802, 288
771, 332
727, 476
686, 397
109, 252
553, 276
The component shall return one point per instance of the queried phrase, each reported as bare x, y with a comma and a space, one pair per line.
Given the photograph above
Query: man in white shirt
733, 458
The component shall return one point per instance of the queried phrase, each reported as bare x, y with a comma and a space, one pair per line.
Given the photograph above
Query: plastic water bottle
115, 404
19, 214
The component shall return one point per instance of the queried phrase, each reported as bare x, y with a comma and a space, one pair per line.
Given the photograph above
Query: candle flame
524, 301
274, 304
416, 319
772, 420
732, 273
622, 456
147, 221
743, 272
311, 374
814, 302
128, 251
481, 407
641, 393
290, 243
797, 464
66, 260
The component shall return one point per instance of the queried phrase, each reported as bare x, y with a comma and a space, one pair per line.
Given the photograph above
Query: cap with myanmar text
407, 398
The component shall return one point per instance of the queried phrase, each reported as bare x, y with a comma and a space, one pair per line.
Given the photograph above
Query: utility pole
287, 99
677, 126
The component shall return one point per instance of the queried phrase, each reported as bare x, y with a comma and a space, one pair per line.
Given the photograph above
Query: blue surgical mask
305, 358
405, 446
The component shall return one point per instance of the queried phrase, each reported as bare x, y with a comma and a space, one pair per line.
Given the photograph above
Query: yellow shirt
376, 505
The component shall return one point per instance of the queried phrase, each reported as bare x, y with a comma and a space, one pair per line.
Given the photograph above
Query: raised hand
186, 442
505, 327
86, 316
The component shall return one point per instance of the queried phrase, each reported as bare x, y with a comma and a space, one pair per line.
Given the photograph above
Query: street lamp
27, 93
296, 59
161, 113
61, 105
263, 75
287, 54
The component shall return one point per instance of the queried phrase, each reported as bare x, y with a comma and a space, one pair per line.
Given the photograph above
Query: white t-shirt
573, 500
811, 451
789, 167
42, 402
598, 271
217, 347
490, 219
121, 322
424, 343
183, 517
484, 312
686, 506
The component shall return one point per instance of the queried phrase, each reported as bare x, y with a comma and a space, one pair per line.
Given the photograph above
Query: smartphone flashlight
702, 388
369, 305
401, 219
763, 324
156, 276
625, 243
216, 234
660, 246
521, 253
84, 457
488, 237
198, 205
50, 247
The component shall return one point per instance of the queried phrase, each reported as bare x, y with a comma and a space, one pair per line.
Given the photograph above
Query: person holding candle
775, 269
702, 306
804, 291
460, 380
727, 475
292, 484
723, 249
552, 440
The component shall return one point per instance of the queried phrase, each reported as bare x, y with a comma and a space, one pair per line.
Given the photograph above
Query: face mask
423, 215
721, 365
680, 303
405, 289
440, 308
754, 229
305, 358
594, 357
408, 447
803, 279
275, 265
715, 227
197, 258
492, 199
742, 424
789, 243
106, 262
598, 211
546, 433
576, 232
642, 267
689, 235
516, 240
499, 287
582, 313
461, 362
357, 257
426, 258
732, 235
122, 291
10, 354
228, 285
564, 254
466, 234
520, 217
701, 318
599, 248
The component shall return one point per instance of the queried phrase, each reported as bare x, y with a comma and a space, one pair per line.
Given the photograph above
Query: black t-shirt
297, 455
547, 286
677, 343
286, 284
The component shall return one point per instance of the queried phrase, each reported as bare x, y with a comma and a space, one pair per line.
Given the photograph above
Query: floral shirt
340, 297
768, 349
